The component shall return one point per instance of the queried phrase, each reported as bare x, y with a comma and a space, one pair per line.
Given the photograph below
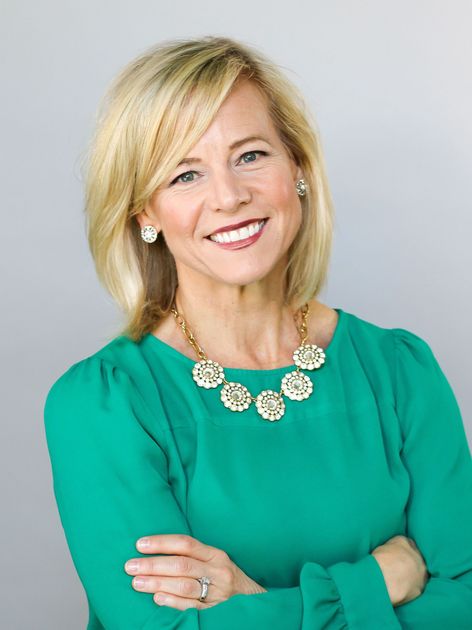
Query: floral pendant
297, 386
235, 396
270, 405
309, 357
208, 373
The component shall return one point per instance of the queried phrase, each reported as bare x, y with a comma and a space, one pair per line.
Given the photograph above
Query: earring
301, 187
149, 233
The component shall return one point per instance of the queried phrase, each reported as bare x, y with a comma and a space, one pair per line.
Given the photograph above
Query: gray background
390, 86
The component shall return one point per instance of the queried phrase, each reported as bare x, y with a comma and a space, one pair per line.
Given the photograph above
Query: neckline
176, 354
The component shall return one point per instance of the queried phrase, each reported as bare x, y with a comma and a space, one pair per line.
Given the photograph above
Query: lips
238, 244
236, 226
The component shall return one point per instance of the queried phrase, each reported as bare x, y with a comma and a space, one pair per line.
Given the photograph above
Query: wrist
393, 587
253, 588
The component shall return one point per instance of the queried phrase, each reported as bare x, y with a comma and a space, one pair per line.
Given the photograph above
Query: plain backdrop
390, 86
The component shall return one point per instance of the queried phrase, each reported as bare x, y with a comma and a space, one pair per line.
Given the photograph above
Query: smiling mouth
239, 235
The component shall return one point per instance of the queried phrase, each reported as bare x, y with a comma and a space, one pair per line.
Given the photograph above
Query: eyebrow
232, 146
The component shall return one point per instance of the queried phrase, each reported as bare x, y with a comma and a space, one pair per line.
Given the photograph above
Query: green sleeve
111, 487
436, 454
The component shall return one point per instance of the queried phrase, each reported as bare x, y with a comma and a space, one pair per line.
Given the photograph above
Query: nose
226, 192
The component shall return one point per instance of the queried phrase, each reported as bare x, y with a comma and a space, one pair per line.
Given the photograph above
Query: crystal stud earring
149, 233
301, 187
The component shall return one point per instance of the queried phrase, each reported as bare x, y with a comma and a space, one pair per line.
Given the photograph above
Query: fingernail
143, 542
139, 582
160, 599
131, 566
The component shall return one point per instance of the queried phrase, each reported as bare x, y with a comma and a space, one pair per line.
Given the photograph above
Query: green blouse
379, 449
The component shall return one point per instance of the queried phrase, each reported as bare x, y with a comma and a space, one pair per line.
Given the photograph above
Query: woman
288, 465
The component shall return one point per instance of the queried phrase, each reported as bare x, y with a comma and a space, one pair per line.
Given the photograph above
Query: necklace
270, 404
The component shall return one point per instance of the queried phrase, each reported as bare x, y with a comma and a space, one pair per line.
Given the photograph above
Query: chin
242, 277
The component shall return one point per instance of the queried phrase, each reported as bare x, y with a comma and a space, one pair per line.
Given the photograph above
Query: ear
144, 218
297, 171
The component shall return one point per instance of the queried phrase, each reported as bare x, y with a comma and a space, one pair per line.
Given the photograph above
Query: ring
204, 582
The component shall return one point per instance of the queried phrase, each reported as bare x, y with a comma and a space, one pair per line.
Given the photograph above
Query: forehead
245, 97
244, 111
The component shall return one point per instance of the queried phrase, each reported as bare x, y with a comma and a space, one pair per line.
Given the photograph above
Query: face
230, 177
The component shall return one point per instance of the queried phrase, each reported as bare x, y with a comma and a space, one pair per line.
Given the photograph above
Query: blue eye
174, 181
253, 153
178, 178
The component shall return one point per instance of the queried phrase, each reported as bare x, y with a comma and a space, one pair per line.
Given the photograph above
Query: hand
173, 578
403, 568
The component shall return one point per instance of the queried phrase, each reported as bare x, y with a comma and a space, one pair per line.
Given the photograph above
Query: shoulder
418, 371
363, 334
108, 394
390, 338
113, 352
414, 366
402, 353
408, 342
118, 366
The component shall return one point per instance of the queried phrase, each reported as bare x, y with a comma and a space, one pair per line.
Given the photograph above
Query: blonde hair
152, 114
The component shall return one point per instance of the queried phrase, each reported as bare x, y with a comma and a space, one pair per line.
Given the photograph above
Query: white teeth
237, 235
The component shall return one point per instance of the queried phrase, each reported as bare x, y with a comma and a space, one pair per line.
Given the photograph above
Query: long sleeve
111, 485
436, 454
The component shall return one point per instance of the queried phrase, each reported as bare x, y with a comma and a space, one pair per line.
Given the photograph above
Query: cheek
282, 190
179, 222
285, 198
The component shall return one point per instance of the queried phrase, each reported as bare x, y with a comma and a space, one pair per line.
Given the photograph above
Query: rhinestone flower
270, 405
235, 396
208, 374
296, 385
309, 357
149, 233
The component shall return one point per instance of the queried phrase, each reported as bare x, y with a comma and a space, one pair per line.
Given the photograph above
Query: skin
172, 578
238, 293
228, 291
403, 568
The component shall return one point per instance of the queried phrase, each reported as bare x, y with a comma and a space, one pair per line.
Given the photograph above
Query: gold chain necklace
270, 405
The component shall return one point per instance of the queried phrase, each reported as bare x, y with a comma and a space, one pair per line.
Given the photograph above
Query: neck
239, 326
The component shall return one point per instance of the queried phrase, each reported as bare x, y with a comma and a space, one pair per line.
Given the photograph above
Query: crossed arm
106, 467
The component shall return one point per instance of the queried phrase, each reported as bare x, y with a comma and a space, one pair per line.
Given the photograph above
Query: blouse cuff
364, 594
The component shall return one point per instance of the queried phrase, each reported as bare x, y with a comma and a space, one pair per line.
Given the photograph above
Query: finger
180, 603
179, 544
187, 588
173, 566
